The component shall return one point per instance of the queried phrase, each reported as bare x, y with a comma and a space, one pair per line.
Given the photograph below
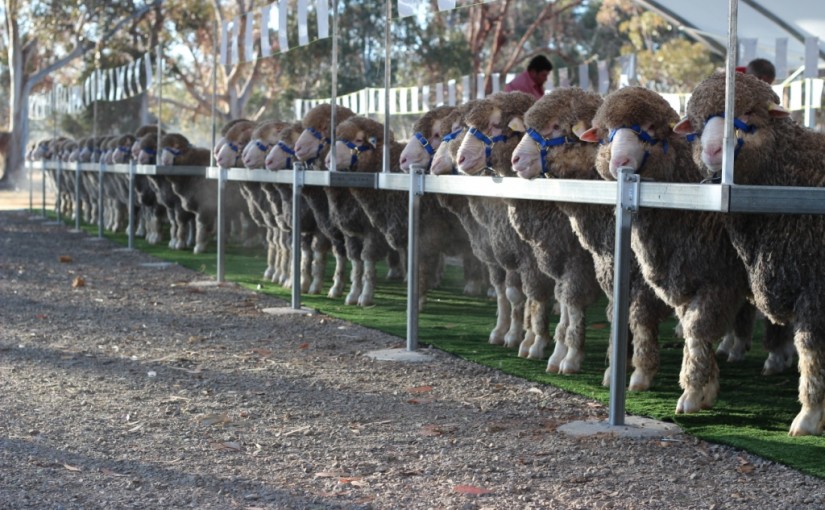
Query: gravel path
124, 386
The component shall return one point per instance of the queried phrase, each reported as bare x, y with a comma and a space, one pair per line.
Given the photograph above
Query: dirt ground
122, 385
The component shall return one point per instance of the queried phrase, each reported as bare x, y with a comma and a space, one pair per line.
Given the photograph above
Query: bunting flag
584, 76
283, 13
451, 98
811, 57
121, 83
407, 8
249, 51
465, 89
480, 86
497, 82
322, 15
748, 52
147, 68
234, 57
303, 29
604, 77
564, 81
224, 42
266, 47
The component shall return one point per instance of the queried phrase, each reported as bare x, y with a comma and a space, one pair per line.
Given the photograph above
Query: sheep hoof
351, 299
552, 368
639, 381
807, 423
570, 367
606, 378
536, 351
315, 288
496, 338
365, 301
512, 339
268, 274
689, 402
336, 291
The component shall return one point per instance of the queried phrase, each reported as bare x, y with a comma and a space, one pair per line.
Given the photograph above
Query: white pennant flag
748, 50
781, 58
446, 5
811, 57
563, 80
100, 85
407, 8
584, 77
249, 45
266, 48
322, 11
303, 29
224, 41
235, 55
147, 64
121, 82
604, 77
283, 37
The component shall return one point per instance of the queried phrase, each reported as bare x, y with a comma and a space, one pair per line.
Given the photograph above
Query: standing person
532, 80
762, 69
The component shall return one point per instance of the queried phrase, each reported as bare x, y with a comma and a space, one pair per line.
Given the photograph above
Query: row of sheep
714, 271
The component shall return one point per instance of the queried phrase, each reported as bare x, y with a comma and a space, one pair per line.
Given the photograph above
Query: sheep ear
373, 141
517, 124
776, 111
579, 128
683, 127
591, 135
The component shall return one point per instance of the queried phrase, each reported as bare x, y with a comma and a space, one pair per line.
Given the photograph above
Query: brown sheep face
282, 154
475, 149
547, 150
445, 157
421, 148
352, 149
311, 145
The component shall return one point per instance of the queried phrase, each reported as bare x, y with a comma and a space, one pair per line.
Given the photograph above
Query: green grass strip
753, 412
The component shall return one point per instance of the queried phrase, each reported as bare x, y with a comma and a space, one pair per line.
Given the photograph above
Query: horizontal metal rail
699, 197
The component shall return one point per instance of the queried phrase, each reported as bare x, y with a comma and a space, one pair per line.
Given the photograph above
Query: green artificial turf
753, 412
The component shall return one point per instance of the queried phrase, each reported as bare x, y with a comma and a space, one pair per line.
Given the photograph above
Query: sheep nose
621, 161
461, 160
515, 160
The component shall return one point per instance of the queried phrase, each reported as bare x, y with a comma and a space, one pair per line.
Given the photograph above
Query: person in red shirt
532, 80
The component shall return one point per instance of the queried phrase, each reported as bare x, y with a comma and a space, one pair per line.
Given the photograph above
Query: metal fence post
77, 197
220, 270
43, 187
131, 204
297, 184
59, 200
627, 203
413, 291
100, 172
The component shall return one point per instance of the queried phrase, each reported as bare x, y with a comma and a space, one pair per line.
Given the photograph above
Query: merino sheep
281, 156
535, 236
551, 149
684, 255
509, 328
782, 253
441, 234
152, 210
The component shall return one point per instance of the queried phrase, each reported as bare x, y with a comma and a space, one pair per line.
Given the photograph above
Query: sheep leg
811, 417
738, 342
644, 330
529, 338
337, 288
356, 282
395, 262
368, 288
270, 255
539, 327
699, 377
574, 340
320, 249
306, 262
778, 342
502, 306
517, 300
203, 232
285, 268
560, 349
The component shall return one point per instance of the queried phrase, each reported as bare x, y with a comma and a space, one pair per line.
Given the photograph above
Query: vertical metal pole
297, 185
416, 190
387, 83
334, 116
77, 196
131, 204
626, 200
59, 184
159, 85
101, 171
31, 186
220, 270
214, 89
730, 81
43, 189
810, 113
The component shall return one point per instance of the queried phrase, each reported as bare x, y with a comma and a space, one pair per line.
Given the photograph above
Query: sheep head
635, 127
173, 145
551, 146
139, 134
282, 154
122, 150
490, 140
428, 133
263, 138
359, 145
313, 144
234, 141
756, 112
147, 155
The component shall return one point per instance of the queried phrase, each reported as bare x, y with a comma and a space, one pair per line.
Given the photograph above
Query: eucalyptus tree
43, 37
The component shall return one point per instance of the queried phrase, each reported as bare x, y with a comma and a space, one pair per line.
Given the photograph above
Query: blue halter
740, 126
644, 136
424, 143
449, 138
546, 143
321, 138
290, 152
487, 141
355, 151
262, 146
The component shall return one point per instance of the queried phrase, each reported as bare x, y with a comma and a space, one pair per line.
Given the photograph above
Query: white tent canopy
763, 20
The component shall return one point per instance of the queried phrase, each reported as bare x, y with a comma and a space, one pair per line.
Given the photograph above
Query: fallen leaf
215, 419
349, 479
420, 389
471, 489
745, 467
65, 259
228, 445
72, 468
326, 474
40, 316
535, 390
420, 400
264, 353
304, 345
431, 430
79, 281
109, 472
